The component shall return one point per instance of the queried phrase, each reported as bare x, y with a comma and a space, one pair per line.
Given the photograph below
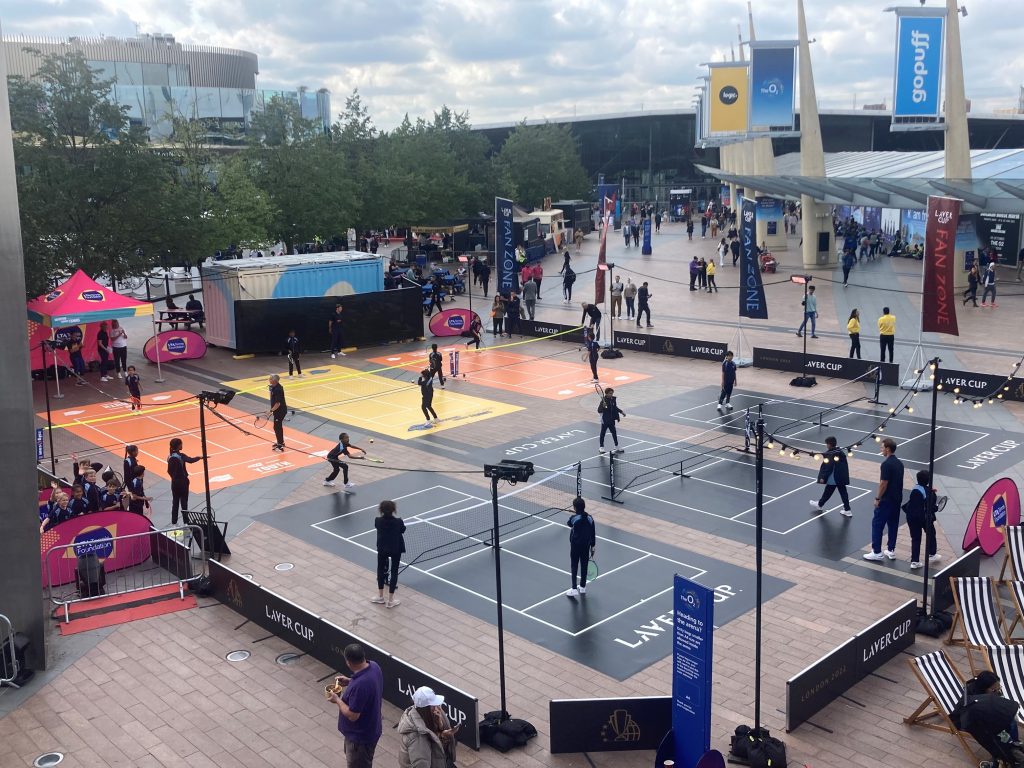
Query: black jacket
389, 534
611, 412
836, 463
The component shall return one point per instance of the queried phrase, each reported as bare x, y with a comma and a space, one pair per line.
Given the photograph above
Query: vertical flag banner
728, 99
772, 86
607, 207
505, 246
752, 299
938, 304
917, 87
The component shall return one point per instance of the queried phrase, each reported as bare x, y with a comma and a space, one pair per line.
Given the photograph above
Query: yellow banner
729, 99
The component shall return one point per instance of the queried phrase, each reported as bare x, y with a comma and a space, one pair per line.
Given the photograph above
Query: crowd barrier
326, 641
835, 673
8, 656
968, 564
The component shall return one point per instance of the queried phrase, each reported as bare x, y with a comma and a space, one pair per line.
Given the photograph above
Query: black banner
965, 565
370, 319
326, 642
1000, 231
609, 725
752, 299
666, 345
973, 385
821, 683
824, 365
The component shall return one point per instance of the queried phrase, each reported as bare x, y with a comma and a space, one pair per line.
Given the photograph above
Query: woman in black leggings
390, 546
426, 383
178, 473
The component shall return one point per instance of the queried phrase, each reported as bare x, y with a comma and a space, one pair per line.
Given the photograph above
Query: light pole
803, 380
210, 399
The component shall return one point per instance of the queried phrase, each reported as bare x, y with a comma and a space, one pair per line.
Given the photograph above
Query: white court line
811, 519
603, 573
403, 496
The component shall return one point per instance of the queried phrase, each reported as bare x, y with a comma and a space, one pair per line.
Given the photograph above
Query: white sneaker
302, 375
583, 590
889, 553
915, 565
601, 451
846, 512
572, 593
329, 483
873, 556
934, 558
333, 356
816, 505
344, 355
377, 600
350, 485
728, 406
428, 424
719, 407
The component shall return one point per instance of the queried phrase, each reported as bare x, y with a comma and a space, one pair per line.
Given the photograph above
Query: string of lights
996, 394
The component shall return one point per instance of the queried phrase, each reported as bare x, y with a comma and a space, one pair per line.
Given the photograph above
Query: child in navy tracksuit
920, 512
610, 413
291, 348
582, 543
134, 384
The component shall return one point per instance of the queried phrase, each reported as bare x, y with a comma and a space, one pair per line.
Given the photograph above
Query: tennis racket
940, 504
358, 453
261, 420
291, 358
592, 570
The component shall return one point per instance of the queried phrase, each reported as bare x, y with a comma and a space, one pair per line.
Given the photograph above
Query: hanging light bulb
817, 457
782, 452
956, 390
932, 366
892, 410
769, 445
910, 409
1000, 396
881, 427
849, 452
937, 386
990, 401
877, 438
856, 445
977, 405
795, 454
917, 371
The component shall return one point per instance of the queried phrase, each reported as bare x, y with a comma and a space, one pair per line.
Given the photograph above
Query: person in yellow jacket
853, 328
886, 333
711, 276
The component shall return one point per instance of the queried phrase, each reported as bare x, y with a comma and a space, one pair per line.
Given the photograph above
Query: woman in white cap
428, 738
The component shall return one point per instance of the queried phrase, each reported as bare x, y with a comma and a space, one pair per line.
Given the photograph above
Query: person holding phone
428, 737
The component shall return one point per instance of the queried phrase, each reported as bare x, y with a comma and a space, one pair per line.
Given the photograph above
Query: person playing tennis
582, 545
426, 384
278, 410
293, 350
343, 448
610, 414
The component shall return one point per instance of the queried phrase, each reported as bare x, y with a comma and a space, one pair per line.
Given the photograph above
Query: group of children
87, 495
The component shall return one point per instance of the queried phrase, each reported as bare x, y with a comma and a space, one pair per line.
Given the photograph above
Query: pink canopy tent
80, 301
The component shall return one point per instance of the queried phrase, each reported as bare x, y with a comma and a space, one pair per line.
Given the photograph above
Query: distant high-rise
158, 78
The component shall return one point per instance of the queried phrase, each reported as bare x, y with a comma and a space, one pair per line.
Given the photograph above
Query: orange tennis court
235, 457
511, 371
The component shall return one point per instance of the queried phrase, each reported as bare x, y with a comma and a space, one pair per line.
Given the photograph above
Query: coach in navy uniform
582, 545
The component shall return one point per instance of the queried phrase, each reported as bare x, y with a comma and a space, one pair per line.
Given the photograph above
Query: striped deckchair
1014, 557
945, 687
1017, 598
979, 622
1007, 661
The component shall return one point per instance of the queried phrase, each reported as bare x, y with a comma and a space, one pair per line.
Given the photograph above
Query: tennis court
556, 379
619, 627
375, 402
235, 457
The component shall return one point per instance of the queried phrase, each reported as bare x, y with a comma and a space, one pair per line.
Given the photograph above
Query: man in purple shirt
359, 718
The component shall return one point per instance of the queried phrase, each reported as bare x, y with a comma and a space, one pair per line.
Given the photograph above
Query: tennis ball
371, 439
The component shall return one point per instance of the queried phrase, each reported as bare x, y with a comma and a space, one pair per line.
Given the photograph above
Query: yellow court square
387, 402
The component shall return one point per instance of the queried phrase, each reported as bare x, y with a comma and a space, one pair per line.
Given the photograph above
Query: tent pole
56, 373
156, 346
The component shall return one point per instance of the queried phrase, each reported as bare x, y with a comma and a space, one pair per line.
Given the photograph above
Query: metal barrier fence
146, 560
8, 655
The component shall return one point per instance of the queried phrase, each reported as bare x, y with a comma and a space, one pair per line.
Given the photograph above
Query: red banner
607, 216
997, 508
938, 305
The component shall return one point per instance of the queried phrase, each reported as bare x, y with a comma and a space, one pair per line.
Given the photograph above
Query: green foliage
538, 161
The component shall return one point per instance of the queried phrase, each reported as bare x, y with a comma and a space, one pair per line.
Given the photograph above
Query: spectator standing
103, 350
988, 280
709, 271
834, 474
390, 546
689, 228
497, 315
714, 225
513, 311
617, 290
886, 333
643, 296
853, 328
629, 294
703, 226
723, 248
657, 222
538, 275
694, 273
359, 716
887, 504
582, 545
810, 303
178, 473
530, 296
334, 328
702, 276
485, 276
625, 231
428, 738
728, 382
920, 511
577, 237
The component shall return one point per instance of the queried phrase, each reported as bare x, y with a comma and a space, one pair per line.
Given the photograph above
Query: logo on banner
773, 87
176, 346
456, 321
620, 727
918, 80
235, 595
54, 295
728, 95
94, 541
997, 508
93, 296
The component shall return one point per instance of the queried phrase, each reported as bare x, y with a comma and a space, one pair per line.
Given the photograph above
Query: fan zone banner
772, 85
505, 247
752, 299
919, 48
998, 507
938, 303
729, 99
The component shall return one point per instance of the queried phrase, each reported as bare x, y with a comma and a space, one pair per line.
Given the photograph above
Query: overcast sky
505, 61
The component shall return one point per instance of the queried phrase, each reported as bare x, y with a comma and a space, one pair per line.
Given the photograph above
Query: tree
88, 184
538, 161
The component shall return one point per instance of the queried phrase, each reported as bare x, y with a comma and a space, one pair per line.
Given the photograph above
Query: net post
876, 400
611, 480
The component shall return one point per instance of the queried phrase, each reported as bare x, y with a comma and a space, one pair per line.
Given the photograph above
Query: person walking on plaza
689, 228
592, 348
703, 226
643, 297
582, 545
616, 292
390, 546
834, 474
886, 333
635, 228
734, 248
728, 382
988, 280
610, 414
577, 237
710, 271
335, 329
848, 261
714, 225
853, 328
426, 385
810, 303
920, 511
723, 249
625, 231
629, 294
973, 278
530, 297
887, 504
538, 275
428, 737
359, 715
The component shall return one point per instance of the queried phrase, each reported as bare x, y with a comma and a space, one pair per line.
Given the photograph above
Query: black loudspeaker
90, 578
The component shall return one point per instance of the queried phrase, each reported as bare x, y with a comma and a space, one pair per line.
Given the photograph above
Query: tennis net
471, 525
644, 465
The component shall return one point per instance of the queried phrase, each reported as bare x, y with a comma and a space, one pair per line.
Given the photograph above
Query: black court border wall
326, 642
835, 673
609, 725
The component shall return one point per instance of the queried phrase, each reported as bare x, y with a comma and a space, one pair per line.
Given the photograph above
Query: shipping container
577, 216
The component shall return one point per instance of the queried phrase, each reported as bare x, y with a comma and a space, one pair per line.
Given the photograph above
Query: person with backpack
568, 278
834, 474
920, 512
582, 545
610, 414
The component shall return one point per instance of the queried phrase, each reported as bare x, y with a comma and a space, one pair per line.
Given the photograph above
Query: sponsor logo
993, 453
884, 641
53, 296
668, 348
96, 541
176, 346
235, 595
456, 321
728, 95
920, 42
999, 513
773, 87
620, 727
93, 296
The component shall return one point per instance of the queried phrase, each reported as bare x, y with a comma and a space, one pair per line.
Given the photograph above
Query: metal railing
8, 653
157, 558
